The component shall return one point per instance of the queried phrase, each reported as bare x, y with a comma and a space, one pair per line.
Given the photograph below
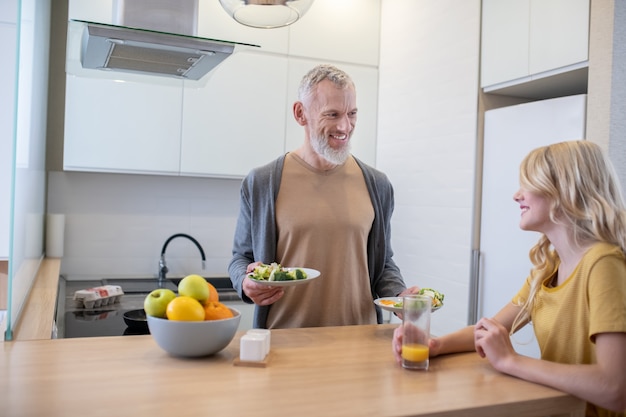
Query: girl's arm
463, 340
603, 383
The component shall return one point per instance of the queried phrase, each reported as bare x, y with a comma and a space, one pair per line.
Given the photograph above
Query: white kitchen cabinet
236, 121
559, 34
122, 126
351, 32
525, 39
119, 122
505, 34
91, 10
243, 117
215, 23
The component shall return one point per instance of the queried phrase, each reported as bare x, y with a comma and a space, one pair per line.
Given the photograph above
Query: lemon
184, 308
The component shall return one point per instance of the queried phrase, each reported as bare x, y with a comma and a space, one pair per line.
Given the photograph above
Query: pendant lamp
266, 14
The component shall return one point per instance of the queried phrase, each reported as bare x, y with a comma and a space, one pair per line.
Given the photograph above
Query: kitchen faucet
163, 267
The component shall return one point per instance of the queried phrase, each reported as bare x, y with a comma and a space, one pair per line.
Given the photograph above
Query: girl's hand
434, 345
492, 341
396, 344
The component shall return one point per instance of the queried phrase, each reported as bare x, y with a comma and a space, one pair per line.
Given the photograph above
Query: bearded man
318, 207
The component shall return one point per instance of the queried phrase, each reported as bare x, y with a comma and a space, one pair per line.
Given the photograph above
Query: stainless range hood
152, 37
109, 47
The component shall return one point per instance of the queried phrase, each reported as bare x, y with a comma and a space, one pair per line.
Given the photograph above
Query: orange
213, 294
214, 310
184, 308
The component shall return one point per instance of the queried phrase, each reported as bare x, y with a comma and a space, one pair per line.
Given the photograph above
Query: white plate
310, 275
395, 300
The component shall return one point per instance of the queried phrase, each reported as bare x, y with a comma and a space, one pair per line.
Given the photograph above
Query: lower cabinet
247, 313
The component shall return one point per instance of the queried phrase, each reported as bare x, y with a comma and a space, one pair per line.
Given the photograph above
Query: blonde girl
575, 295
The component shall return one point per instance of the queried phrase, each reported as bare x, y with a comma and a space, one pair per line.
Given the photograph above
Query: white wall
427, 139
617, 143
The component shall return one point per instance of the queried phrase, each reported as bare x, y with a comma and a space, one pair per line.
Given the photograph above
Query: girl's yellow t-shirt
592, 300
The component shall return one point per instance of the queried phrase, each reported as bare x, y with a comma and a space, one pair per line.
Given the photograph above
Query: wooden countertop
333, 371
36, 320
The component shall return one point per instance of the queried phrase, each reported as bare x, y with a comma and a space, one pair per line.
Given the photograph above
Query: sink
146, 285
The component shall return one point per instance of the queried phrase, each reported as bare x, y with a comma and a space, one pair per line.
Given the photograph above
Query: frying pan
136, 320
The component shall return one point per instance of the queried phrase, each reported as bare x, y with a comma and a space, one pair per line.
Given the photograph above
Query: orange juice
415, 352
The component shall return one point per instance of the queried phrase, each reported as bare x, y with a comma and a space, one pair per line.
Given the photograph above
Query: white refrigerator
510, 133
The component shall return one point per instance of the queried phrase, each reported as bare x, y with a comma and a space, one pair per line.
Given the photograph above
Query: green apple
156, 302
194, 286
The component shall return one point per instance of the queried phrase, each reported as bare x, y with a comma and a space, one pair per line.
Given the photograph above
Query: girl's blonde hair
580, 182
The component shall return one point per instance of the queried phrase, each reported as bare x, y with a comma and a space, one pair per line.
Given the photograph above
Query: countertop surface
332, 371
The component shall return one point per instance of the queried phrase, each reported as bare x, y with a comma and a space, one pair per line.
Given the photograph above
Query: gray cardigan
255, 235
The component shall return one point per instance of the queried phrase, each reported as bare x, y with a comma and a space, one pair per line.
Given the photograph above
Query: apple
155, 303
194, 286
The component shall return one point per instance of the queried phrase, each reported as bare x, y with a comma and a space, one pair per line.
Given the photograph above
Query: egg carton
98, 296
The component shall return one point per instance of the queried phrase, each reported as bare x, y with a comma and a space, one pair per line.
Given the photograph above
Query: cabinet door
215, 23
340, 31
505, 33
237, 120
524, 38
559, 34
121, 126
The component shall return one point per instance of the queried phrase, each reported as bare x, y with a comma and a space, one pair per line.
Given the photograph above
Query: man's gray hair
319, 74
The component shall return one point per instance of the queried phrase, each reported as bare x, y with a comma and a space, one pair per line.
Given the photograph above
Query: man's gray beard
334, 156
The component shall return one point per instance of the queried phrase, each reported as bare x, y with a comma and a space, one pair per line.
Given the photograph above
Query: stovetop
73, 321
107, 320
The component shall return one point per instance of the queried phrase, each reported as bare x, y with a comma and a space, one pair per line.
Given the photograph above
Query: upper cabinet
530, 47
236, 121
338, 31
234, 118
122, 125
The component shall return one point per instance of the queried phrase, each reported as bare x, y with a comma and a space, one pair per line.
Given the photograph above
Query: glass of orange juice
416, 326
